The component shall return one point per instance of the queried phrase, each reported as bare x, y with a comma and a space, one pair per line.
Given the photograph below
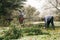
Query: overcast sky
37, 3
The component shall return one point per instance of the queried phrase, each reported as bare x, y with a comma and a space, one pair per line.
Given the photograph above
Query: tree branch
54, 5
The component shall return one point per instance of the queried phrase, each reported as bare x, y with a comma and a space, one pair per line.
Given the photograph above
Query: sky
38, 4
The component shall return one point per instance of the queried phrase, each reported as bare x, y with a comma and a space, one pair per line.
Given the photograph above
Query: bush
32, 31
13, 33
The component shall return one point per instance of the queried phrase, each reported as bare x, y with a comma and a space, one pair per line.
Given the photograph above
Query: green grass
47, 34
54, 35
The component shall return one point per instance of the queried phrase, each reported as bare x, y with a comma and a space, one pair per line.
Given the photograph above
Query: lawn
47, 34
53, 35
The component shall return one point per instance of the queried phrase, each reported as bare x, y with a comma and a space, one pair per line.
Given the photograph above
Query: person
49, 19
21, 18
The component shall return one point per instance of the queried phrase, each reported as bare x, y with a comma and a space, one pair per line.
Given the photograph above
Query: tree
56, 4
52, 4
6, 7
30, 12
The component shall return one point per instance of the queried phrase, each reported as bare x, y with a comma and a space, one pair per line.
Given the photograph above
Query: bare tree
55, 4
30, 12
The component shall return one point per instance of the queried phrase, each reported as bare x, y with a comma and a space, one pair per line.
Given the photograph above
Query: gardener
49, 19
21, 18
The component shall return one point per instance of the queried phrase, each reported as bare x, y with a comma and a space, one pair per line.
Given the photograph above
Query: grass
47, 34
54, 35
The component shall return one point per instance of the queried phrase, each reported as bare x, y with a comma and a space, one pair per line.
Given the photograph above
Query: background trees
56, 5
31, 13
6, 7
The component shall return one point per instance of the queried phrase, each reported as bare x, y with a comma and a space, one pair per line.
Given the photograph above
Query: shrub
13, 33
32, 31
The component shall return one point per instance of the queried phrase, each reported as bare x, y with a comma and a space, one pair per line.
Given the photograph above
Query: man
21, 18
49, 19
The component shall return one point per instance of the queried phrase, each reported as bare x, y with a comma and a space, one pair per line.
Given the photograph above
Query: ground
53, 35
50, 34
